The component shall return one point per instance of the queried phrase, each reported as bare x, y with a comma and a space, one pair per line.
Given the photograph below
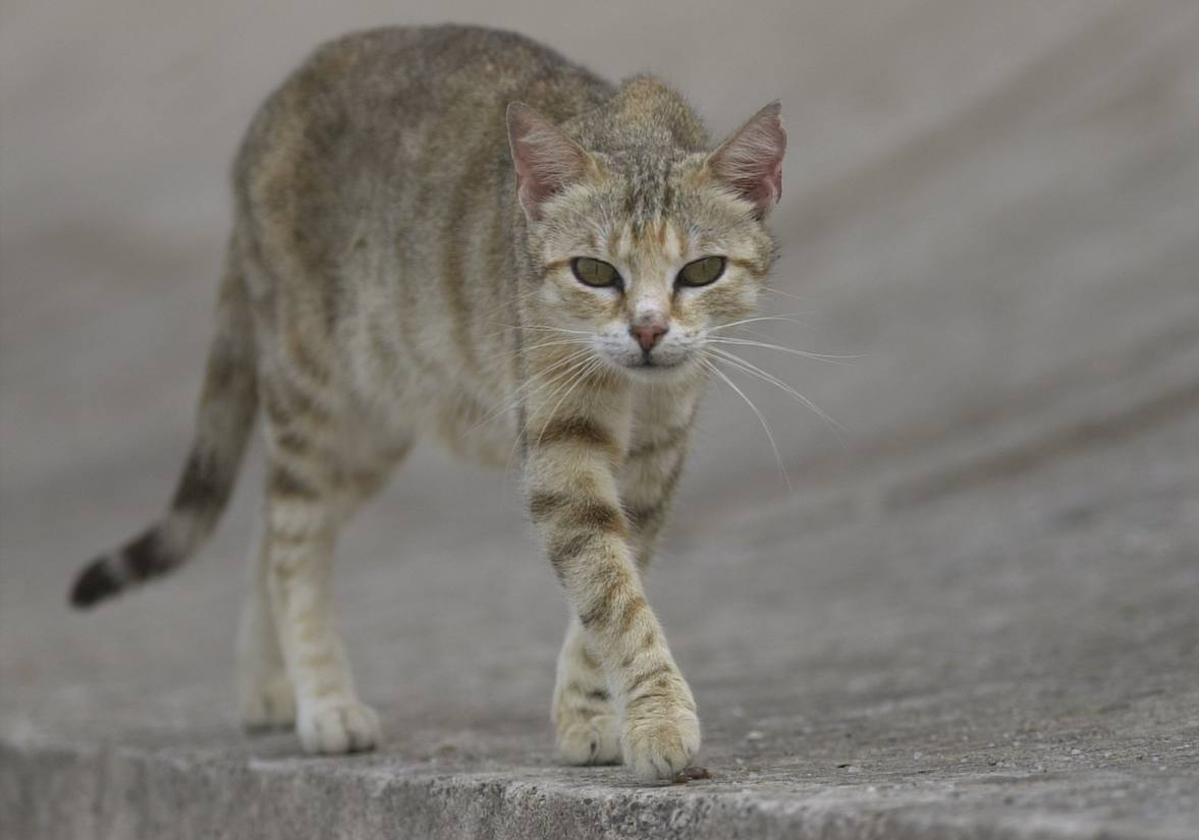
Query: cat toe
659, 746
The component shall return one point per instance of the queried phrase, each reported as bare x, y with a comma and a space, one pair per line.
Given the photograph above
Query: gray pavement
975, 616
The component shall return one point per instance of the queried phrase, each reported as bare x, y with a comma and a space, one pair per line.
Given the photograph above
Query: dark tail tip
95, 583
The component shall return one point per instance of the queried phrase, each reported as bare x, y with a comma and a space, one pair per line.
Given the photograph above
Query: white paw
268, 703
660, 733
338, 726
589, 740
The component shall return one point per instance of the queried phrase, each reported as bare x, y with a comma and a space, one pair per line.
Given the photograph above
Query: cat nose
647, 335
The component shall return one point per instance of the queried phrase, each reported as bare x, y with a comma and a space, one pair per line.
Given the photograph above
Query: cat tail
224, 418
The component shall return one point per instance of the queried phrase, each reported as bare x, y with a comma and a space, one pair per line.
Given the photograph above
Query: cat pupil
593, 272
702, 272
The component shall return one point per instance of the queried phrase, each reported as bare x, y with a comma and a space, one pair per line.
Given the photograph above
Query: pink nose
647, 336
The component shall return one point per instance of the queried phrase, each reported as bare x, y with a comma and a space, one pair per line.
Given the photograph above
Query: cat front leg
573, 451
585, 717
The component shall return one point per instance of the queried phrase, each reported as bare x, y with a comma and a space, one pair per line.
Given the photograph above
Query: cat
454, 231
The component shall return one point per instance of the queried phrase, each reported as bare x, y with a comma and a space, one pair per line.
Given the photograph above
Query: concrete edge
107, 791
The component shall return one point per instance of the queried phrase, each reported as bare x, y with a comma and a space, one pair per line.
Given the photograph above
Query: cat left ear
547, 160
751, 160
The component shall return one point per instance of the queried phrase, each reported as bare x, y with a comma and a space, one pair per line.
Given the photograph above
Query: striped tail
224, 419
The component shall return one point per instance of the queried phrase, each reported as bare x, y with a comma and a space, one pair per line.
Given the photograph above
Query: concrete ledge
128, 793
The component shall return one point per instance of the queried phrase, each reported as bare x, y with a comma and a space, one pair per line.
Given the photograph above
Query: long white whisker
781, 293
557, 343
534, 328
570, 361
582, 375
746, 342
561, 370
761, 419
743, 321
575, 375
559, 382
780, 384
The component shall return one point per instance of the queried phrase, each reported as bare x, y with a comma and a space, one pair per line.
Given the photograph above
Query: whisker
516, 439
558, 343
761, 419
570, 361
560, 370
575, 375
783, 386
819, 357
530, 328
541, 328
743, 321
781, 293
581, 376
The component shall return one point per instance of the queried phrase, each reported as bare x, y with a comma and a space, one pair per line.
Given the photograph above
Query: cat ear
546, 159
751, 160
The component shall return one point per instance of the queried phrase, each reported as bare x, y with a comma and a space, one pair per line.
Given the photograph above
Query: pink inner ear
751, 161
546, 159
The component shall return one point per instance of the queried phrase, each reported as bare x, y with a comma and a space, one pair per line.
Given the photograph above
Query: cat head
644, 241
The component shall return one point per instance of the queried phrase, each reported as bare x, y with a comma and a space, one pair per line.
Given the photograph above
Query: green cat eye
597, 273
701, 272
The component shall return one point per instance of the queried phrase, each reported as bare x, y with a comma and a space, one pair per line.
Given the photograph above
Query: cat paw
589, 740
267, 704
338, 726
660, 739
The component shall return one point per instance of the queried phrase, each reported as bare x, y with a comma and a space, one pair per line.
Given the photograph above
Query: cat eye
701, 272
591, 272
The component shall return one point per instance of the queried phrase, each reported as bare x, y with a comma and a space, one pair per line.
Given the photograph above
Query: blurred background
993, 207
991, 204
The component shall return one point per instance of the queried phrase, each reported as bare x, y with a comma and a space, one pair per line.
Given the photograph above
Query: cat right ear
546, 159
751, 161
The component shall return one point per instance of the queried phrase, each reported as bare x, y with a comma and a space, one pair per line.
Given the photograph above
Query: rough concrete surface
977, 613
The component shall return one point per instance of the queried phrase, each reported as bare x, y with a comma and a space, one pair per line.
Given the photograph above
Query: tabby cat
455, 231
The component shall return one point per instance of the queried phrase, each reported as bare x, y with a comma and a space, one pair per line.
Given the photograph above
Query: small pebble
691, 774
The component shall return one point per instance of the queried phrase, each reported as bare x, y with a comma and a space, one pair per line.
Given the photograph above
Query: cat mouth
648, 364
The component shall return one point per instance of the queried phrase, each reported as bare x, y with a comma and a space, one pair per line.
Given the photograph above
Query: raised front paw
338, 726
660, 734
